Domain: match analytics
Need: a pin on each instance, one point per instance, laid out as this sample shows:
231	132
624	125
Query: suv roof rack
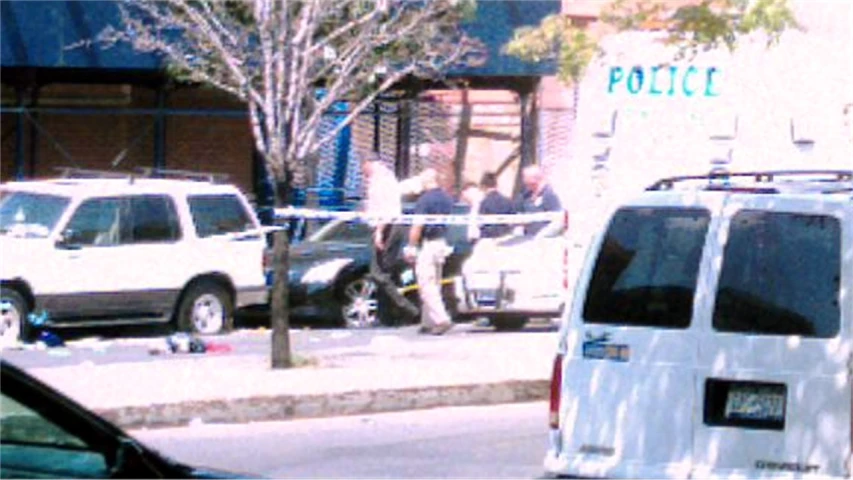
143	172
76	172
183	174
835	181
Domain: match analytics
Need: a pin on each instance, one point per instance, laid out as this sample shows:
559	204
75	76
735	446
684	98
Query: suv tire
206	309
14	315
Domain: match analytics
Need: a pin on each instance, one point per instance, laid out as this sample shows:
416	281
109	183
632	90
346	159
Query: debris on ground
50	339
186	343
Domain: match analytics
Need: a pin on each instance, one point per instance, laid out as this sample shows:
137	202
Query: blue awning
37	34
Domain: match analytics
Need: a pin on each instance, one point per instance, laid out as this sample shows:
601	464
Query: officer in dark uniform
538	196
494	203
428	249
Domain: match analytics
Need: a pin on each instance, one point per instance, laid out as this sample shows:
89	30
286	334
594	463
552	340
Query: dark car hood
312	252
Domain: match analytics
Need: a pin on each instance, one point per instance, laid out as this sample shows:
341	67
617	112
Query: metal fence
459	144
459	140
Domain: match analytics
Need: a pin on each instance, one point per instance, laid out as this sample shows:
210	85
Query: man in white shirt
384	199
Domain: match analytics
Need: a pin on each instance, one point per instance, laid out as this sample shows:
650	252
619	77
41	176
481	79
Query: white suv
711	334
105	251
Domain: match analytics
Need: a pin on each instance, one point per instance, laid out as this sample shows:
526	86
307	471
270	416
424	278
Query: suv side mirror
68	241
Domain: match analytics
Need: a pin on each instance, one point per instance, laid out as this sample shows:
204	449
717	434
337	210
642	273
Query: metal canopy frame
28	81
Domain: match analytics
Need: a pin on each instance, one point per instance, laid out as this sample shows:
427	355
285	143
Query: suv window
219	214
646	271
780	275
34	214
97	222
153	219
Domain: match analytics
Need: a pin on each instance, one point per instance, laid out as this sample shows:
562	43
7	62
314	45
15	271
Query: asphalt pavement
496	441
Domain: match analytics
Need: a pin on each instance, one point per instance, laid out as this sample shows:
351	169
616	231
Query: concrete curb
289	407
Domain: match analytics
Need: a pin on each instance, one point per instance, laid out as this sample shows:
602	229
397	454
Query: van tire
507	323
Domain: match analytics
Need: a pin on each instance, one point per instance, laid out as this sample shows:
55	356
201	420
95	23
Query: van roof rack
211	177
76	172
812	181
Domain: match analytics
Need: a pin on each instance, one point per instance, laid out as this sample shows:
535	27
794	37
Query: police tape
422	219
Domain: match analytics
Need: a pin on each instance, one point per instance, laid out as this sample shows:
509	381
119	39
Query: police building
643	115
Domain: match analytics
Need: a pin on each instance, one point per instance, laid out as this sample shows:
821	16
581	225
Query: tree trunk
279	301
463	134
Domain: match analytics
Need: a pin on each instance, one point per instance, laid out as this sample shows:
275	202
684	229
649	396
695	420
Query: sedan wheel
360	308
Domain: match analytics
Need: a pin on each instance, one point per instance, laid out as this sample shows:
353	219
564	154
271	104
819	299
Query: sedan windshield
343	231
28	214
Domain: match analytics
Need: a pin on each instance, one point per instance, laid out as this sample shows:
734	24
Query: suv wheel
206	309
14	325
359	305
509	322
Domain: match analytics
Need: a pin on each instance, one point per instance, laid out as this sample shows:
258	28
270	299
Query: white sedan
511	279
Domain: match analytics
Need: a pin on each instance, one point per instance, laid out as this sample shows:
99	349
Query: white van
711	334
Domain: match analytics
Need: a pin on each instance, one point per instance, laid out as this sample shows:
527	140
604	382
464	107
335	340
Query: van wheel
14	323
505	323
206	309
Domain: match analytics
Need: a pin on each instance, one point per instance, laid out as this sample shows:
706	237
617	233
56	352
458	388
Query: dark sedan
47	435
328	274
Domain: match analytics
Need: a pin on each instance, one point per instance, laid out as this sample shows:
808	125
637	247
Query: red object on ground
218	348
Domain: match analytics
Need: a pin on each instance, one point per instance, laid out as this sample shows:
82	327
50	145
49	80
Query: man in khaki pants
428	248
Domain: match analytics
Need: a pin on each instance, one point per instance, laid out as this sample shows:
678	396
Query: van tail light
556	390
566	250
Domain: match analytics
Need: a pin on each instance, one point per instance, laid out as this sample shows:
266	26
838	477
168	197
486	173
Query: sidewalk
394	372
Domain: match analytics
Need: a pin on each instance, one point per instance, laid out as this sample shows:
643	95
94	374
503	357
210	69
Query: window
219	214
780	275
97	222
32	446
153	219
30	214
344	231
646	271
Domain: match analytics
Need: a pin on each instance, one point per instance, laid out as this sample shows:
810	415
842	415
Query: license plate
750	402
488	297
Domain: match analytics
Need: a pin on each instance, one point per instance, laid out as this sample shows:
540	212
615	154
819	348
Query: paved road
105	346
505	441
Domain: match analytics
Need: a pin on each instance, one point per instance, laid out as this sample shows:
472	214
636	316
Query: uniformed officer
494	203
428	248
537	196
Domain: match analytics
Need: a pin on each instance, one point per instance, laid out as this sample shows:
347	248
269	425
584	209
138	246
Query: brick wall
208	143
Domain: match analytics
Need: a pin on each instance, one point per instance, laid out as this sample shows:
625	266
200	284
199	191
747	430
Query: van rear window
646	270
780	275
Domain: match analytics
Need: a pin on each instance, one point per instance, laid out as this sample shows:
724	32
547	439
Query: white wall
807	78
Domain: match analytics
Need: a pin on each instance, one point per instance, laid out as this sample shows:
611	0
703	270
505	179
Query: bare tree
291	61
